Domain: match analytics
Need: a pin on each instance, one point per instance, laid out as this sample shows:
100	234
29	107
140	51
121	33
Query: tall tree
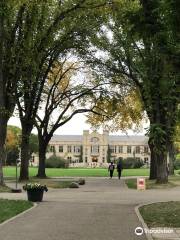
137	47
65	94
10	65
63	30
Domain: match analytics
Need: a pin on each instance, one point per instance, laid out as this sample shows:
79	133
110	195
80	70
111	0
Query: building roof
132	138
112	138
67	138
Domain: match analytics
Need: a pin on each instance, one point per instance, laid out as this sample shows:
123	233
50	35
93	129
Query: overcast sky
75	126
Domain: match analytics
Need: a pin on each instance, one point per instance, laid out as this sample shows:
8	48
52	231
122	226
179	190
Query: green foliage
34	143
157	137
177	164
13	142
129	163
56	162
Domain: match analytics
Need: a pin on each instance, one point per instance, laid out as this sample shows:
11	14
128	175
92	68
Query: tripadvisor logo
139	231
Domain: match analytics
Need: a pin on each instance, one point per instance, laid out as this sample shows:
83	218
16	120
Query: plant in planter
35	191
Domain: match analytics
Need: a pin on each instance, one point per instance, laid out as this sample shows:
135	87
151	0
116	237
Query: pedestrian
111	169
119	168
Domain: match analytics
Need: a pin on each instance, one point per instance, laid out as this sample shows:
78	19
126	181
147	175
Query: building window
137	149
146	149
103	159
95	149
113	149
77	149
69	149
86	159
52	148
128	149
69	159
146	160
94	140
61	148
120	149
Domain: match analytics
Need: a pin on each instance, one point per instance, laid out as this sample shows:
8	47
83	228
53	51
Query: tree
10	65
13	142
64	96
63	30
139	51
122	112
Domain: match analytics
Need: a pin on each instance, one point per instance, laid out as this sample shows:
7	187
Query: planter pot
35	195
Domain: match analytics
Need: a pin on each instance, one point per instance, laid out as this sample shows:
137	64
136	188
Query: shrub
74	185
81	181
177	163
132	163
56	162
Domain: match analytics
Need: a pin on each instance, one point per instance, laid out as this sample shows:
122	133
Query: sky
76	126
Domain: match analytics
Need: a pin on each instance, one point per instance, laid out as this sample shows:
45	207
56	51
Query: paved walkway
101	209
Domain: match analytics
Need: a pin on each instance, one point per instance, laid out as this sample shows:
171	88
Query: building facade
95	149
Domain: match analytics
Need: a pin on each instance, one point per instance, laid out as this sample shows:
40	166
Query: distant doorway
94	159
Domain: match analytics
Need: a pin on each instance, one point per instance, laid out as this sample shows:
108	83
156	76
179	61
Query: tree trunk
162	174
3	122
25	153
42	159
3	129
171	158
153	165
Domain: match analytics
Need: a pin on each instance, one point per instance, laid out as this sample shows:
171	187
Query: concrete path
101	209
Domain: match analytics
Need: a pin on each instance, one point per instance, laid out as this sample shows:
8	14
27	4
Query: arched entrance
94	159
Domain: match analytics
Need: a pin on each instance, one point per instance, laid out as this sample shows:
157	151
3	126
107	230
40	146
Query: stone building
95	149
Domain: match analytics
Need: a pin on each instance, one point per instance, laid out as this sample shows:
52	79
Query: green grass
151	184
78	172
10	208
165	214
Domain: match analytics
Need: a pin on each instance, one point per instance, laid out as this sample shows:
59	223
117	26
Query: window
86	159
52	148
103	159
61	148
120	149
77	149
94	140
128	149
95	149
137	149
69	149
113	149
146	160
146	149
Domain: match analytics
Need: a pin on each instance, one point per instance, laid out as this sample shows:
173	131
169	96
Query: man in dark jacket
119	168
111	169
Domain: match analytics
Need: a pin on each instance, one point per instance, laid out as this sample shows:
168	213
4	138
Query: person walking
119	168
111	169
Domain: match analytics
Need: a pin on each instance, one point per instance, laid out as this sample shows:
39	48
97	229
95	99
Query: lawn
78	172
150	184
10	208
164	214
